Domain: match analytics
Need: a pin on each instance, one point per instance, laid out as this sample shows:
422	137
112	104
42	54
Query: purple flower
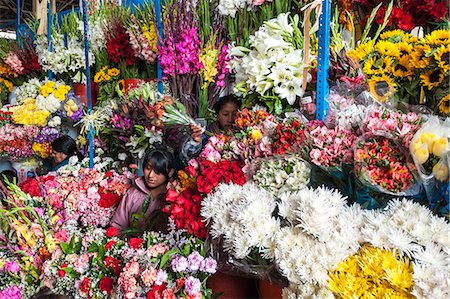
209	265
13	267
161	277
192	285
179	264
12	292
76	116
195	261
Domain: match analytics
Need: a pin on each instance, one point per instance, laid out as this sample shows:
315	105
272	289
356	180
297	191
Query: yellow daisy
381	87
438	37
442	57
379	66
395	36
403	68
361	52
444	105
432	78
387	48
420	56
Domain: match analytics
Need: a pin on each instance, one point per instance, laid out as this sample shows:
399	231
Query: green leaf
165	259
93	248
186	249
278	106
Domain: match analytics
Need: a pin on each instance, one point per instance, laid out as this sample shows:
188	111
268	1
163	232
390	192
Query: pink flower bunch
329	147
15	63
88	195
222	66
397	125
16	141
179	54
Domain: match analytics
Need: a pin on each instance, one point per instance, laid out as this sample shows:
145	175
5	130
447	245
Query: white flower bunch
306	291
242	215
283	174
63	58
230	7
413	231
273	65
323	232
97	39
29	89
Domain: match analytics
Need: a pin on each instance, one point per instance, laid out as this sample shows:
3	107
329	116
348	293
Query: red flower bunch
184	205
113	264
247	118
118	46
399	18
108	198
290	137
156	292
379	161
106	285
31	186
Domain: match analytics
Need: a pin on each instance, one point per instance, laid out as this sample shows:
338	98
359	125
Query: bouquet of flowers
108	79
87	195
5	89
399	65
290	136
277	82
165	266
88	263
397	125
195	182
283	174
16	141
382	164
429	149
42	143
29	234
241	223
38	100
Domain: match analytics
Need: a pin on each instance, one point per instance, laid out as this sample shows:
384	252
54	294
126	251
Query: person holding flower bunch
225	109
63	148
140	208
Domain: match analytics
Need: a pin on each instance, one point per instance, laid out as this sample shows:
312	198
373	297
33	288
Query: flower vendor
144	201
63	148
225	108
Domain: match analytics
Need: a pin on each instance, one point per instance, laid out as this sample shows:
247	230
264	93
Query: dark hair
225	100
9	175
66	145
161	160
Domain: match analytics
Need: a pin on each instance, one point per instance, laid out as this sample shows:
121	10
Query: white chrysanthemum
431	255
401	241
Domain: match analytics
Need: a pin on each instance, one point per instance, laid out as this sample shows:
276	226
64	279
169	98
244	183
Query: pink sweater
132	203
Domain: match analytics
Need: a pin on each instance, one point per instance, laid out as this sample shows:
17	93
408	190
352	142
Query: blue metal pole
323	61
160	30
88	81
18	20
49	32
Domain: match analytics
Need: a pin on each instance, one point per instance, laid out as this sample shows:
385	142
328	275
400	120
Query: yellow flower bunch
106	74
427	148
6	71
7	83
43	150
150	35
71	107
59	91
28	114
208	58
372	273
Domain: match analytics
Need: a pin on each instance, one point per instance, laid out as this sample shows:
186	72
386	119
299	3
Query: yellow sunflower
381	87
420	56
404	48
403	68
444	105
442	57
361	52
432	78
395	36
379	66
438	37
387	48
99	77
113	72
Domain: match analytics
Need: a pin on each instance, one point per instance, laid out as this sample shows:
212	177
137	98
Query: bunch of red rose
197	182
289	137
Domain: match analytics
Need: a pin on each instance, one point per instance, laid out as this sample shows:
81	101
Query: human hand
196	132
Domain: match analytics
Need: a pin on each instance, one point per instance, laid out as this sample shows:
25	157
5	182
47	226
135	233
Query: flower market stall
252	149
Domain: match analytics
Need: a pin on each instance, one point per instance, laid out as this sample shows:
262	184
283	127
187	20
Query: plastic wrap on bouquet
251	268
25	168
430	151
383	170
340	178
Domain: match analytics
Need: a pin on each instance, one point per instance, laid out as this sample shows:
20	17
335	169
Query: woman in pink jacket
142	204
